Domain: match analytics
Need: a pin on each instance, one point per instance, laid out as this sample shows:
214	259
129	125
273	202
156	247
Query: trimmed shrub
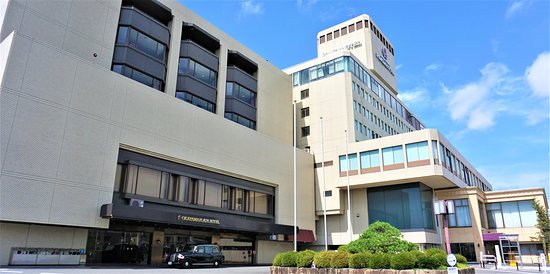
289	259
322	259
403	260
380	261
461	259
359	260
343	248
441	259
277	259
427	262
434	251
339	260
417	253
304	258
380	237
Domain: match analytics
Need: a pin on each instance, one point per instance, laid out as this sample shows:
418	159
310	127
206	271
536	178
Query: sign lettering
198	220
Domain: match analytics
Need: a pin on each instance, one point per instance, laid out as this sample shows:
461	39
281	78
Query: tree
543	224
380	237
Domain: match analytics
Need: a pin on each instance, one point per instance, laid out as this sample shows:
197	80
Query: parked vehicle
203	254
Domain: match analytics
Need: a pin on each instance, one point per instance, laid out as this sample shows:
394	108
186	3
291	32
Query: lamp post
350	228
324	183
295	227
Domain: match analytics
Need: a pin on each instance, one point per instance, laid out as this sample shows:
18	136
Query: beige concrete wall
30	235
268	249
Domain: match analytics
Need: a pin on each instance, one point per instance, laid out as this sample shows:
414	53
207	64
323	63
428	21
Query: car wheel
186	263
216	264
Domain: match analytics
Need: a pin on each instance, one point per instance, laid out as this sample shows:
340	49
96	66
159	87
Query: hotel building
365	139
139	125
150	129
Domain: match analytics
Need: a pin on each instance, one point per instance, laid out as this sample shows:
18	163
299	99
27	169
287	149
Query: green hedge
305	258
359	260
339	260
277	259
434	251
380	261
427	262
289	259
403	260
461	259
322	259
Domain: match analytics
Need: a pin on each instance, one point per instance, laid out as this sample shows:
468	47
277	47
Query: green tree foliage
277	259
543	224
434	251
304	258
380	237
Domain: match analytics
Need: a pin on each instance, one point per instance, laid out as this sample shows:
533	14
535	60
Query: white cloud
251	7
433	67
398	66
479	103
495	45
538	75
515	7
413	96
306	3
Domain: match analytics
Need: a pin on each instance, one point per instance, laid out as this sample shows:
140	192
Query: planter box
301	270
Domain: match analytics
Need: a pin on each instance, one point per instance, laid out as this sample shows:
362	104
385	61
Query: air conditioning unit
136	202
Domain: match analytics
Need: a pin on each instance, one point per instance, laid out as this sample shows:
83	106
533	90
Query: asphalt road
134	270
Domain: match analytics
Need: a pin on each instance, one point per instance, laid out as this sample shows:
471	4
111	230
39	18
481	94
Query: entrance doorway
108	246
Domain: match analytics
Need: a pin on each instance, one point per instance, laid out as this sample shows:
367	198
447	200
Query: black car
203	254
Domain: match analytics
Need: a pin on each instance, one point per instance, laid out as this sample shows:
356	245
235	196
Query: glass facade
139	76
417	151
162	185
370	159
407	206
461	217
511	214
190	67
352	160
142	42
240	120
197	101
392	155
235	90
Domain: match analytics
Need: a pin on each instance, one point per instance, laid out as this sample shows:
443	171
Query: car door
198	256
208	254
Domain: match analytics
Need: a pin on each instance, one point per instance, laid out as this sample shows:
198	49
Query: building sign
350	46
383	58
198	220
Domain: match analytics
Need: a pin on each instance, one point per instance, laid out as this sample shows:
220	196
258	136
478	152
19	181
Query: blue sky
476	70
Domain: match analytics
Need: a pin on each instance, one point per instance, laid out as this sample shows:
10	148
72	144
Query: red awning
304	236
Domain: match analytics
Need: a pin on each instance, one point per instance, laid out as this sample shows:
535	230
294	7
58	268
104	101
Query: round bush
441	259
417	253
359	260
339	260
322	259
288	259
380	261
277	259
403	260
427	262
461	259
434	251
304	258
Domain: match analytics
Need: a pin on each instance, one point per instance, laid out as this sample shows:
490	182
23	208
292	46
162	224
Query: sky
478	71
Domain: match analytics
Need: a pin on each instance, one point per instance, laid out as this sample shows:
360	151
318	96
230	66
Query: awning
304	236
489	237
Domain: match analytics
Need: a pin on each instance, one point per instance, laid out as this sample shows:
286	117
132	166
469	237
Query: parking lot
133	270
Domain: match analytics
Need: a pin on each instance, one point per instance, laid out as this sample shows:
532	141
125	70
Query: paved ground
223	269
134	270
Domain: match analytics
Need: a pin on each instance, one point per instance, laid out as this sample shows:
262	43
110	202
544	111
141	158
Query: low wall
301	270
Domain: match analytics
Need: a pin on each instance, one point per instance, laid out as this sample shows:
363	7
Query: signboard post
451	260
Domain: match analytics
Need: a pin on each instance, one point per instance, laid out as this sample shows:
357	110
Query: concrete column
156	247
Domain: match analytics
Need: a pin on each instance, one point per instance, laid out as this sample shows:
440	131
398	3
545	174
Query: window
243	94
148	182
188	66
370	159
461	217
321	39
417	151
405	206
305	131
434	152
305	112
197	101
344	30
304	94
511	214
142	42
336	34
240	120
465	249
212	194
352	159
139	76
392	155
328	193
